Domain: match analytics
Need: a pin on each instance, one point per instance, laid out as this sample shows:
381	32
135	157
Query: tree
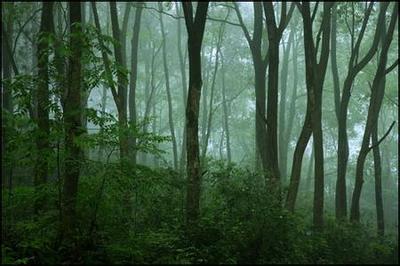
356	64
43	95
195	29
377	93
133	76
168	89
315	76
122	82
72	123
260	63
274	37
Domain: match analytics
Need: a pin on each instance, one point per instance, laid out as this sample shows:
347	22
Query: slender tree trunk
297	161
43	95
168	89
133	79
122	85
226	114
184	88
72	120
283	143
292	106
378	183
209	122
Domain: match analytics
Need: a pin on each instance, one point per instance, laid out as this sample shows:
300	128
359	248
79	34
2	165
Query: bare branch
383	137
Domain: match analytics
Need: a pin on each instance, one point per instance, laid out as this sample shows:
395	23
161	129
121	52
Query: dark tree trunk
72	121
43	95
7	101
122	85
315	75
260	64
353	70
195	28
373	112
378	183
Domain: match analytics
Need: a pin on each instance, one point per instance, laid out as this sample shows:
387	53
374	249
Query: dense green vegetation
188	133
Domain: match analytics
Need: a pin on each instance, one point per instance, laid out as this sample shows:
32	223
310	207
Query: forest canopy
199	132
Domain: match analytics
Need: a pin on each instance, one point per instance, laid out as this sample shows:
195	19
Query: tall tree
133	76
260	63
72	122
212	88
122	82
168	89
315	77
226	112
195	29
283	127
356	64
43	95
377	93
6	94
182	63
274	37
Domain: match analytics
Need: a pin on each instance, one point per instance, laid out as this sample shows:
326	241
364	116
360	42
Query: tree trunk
353	70
168	89
122	85
72	121
315	75
378	183
184	92
283	143
226	114
373	112
43	96
195	28
7	101
133	79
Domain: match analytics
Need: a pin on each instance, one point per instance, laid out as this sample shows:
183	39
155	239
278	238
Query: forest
199	132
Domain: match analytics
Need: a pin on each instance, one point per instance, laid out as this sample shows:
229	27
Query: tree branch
384	136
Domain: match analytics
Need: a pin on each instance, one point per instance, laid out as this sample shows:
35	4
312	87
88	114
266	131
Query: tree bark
72	123
195	28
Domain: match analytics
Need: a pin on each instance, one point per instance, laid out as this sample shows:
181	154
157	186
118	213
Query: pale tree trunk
133	79
182	63
226	114
283	143
168	89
